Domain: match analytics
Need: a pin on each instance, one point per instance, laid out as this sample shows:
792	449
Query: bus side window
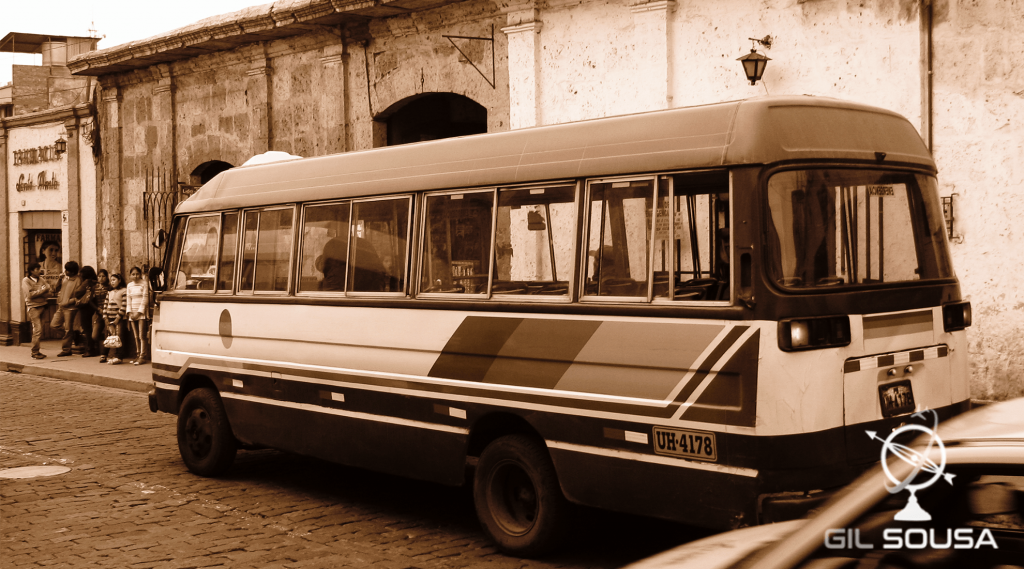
619	238
697	253
228	247
534	241
199	255
267	250
457	243
378	251
324	255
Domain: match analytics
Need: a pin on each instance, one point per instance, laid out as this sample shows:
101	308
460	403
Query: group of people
97	304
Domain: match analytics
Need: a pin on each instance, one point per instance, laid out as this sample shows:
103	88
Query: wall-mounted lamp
60	146
947	213
753	62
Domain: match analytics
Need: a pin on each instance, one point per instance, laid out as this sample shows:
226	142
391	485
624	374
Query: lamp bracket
766	41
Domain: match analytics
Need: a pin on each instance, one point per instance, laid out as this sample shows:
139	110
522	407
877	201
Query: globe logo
920	461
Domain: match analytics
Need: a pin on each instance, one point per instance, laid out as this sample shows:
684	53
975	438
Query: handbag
112	342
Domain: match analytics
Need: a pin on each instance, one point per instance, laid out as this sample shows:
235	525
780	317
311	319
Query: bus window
842	227
380	229
324	247
228	248
695	247
199	258
619	238
457	242
267	250
534	241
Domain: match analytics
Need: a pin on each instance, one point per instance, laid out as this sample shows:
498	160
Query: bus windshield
833	227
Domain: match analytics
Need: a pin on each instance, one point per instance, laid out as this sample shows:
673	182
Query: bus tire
517	496
205	440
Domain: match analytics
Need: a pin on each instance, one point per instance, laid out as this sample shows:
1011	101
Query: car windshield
834	227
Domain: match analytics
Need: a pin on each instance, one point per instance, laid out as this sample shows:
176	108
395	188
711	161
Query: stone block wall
312	94
30	90
212	112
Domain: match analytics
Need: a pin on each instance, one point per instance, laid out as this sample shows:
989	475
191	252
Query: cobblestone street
128	501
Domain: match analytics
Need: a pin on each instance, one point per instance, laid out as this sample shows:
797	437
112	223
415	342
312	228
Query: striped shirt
115	305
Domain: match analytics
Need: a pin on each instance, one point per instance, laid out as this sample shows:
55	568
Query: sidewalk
75	368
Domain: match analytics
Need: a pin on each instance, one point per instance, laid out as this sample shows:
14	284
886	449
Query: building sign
25	182
36	155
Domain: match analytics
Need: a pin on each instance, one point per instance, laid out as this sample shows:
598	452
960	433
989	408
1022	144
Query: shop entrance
42	243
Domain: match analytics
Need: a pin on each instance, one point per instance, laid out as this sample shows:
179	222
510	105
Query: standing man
72	293
36	291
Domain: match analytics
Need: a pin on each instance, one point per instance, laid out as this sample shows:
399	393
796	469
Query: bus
692	314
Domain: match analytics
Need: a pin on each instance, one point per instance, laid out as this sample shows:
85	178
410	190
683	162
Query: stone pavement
128	501
75	368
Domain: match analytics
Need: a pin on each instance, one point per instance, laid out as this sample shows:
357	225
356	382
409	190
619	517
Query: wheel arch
495	425
192	382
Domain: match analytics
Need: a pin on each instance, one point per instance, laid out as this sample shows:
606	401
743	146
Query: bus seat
557	288
509	287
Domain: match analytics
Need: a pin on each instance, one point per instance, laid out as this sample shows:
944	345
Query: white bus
692	314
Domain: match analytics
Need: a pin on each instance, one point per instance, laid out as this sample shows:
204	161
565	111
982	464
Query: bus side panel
404	450
706	498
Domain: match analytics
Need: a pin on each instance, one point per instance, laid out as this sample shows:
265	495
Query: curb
91	379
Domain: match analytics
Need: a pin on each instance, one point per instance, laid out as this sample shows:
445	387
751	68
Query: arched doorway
207	170
432	116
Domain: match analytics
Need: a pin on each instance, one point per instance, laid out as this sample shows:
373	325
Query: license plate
684	443
896	398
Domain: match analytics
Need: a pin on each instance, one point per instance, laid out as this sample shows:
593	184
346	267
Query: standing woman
87	311
138	308
99	303
113	313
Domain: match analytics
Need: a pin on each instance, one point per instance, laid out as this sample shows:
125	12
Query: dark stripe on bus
709	362
731	399
471	350
261	385
538	352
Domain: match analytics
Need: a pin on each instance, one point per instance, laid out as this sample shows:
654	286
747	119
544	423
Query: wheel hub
199	433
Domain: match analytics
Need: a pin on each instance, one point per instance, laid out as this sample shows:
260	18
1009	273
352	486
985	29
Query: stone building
322	76
48	200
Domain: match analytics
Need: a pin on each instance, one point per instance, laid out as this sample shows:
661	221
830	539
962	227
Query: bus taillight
956	316
813	333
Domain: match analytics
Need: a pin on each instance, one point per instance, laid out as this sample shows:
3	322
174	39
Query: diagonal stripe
538	352
710	361
471	351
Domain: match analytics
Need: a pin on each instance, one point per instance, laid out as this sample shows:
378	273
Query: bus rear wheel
205	440
517	496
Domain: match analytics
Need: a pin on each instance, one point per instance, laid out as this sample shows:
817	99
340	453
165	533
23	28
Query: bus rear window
843	227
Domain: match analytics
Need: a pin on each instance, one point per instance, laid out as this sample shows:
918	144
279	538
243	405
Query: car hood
720	551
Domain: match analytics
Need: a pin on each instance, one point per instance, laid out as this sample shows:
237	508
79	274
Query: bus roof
762	130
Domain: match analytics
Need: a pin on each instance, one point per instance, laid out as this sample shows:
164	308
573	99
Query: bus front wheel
517	496
205	440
